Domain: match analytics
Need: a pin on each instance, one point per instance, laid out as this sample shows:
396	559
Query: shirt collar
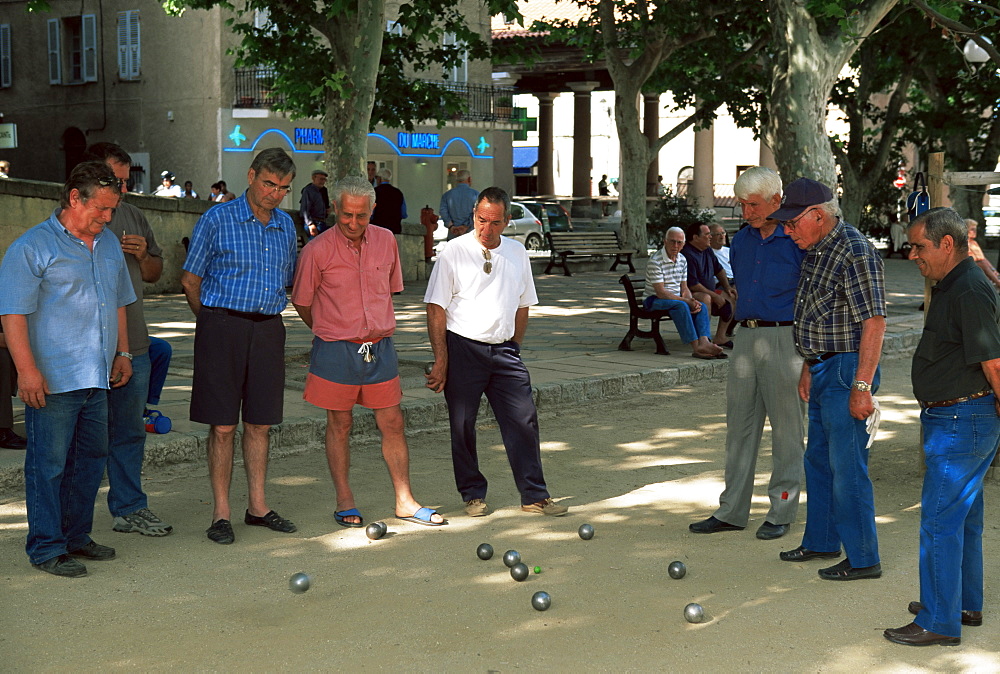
956	271
828	240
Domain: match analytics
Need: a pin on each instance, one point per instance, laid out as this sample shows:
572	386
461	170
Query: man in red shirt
343	291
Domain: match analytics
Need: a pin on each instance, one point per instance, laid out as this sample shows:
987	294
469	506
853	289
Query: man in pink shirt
343	291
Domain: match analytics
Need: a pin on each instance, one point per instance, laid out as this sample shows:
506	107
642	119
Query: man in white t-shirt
477	313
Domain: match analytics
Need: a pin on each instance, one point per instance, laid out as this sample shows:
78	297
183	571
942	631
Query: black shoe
801	554
95	551
969	618
272	521
844	571
712	526
11	440
221	532
768	531
62	565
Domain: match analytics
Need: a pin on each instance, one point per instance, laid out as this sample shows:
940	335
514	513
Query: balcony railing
481	103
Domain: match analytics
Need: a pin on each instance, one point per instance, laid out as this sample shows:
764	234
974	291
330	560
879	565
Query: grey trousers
764	373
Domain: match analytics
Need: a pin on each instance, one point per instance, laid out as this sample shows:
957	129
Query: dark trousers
8	385
475	368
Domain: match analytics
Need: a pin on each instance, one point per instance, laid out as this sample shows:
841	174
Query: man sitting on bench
704	273
666	290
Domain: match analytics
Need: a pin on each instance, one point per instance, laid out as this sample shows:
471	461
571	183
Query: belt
819	359
754	323
256	318
945	403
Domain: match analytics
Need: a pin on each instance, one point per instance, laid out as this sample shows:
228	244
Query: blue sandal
423	516
353	512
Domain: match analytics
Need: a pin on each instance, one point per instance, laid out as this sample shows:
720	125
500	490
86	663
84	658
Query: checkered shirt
660	269
842	284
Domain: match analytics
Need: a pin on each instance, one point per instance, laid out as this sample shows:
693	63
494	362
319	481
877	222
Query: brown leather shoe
969	618
915	635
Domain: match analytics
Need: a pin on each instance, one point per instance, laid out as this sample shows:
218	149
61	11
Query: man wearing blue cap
838	330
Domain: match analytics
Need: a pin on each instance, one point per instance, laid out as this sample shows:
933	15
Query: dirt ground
420	600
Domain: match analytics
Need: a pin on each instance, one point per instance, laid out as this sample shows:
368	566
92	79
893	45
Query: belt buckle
752	323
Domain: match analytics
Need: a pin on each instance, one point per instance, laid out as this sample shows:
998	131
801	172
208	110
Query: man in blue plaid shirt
838	330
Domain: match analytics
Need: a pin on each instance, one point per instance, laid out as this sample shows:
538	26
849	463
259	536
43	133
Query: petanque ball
484	551
677	570
384	527
374	531
694	613
541	601
511	557
428	367
298	583
519	572
586	532
538	569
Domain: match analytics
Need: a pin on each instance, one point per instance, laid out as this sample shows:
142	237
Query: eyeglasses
108	182
488	264
793	223
272	187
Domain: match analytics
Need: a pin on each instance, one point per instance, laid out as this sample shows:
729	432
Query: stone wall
25	203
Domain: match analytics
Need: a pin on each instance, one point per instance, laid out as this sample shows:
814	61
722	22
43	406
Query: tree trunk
635	158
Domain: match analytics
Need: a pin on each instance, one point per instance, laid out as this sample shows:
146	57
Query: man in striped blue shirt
241	259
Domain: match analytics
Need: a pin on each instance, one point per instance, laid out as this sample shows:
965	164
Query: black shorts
239	367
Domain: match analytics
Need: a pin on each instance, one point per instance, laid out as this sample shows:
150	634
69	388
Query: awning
525	159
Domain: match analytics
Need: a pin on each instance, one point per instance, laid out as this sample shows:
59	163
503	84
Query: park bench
633	291
563	245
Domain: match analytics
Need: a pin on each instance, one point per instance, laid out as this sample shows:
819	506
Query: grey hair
674	229
87	178
941	222
463	176
831	208
275	160
496	196
355	186
757	180
384	173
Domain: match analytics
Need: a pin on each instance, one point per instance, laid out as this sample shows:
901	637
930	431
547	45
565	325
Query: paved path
570	349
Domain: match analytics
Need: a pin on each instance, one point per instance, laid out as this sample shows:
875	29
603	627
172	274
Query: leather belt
754	323
819	359
256	318
945	403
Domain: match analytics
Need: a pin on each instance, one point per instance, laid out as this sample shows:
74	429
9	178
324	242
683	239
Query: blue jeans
689	326
127	441
63	467
841	506
160	352
959	444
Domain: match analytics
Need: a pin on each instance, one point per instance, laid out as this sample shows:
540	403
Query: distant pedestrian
188	191
314	204
457	204
390	204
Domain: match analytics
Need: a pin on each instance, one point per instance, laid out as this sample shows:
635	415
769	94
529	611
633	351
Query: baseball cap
800	195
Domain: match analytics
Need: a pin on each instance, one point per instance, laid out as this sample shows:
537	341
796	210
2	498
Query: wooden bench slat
633	291
563	245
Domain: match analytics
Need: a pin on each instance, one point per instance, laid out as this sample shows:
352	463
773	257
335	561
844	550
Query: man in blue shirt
241	259
457	205
67	276
764	373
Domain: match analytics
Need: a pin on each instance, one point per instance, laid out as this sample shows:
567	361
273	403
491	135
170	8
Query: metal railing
254	88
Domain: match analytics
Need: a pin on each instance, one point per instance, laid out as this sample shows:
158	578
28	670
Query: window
394	28
129	55
73	49
460	71
5	71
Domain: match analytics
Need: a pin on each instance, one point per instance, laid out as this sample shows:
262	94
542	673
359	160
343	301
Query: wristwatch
124	354
861	386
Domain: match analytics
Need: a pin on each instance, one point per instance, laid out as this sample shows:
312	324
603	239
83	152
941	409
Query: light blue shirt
457	205
70	297
244	264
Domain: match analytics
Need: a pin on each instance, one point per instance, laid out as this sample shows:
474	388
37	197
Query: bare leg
397	459
255	461
722	332
338	456
220	468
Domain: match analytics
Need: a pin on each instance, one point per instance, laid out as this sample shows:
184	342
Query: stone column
583	162
651	129
546	184
703	187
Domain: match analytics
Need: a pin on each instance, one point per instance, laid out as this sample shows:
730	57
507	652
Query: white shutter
55	53
5	71
123	51
458	73
135	50
88	51
128	45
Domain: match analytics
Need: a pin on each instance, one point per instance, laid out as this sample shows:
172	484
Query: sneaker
93	550
142	521
476	507
546	507
62	565
221	532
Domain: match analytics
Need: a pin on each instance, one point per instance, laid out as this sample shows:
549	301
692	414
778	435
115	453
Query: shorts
239	369
339	378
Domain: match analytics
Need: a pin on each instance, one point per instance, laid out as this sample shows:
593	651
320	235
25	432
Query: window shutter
134	45
123	51
88	53
128	45
55	53
5	70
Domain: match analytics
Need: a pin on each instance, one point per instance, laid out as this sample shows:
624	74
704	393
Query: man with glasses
127	501
477	314
64	287
839	325
241	259
764	371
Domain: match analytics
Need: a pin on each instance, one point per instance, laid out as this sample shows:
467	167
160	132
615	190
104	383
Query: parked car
554	217
525	227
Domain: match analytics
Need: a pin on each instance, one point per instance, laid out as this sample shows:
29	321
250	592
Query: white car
523	226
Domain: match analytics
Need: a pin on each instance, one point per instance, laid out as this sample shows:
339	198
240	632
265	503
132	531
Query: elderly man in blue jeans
67	276
666	290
